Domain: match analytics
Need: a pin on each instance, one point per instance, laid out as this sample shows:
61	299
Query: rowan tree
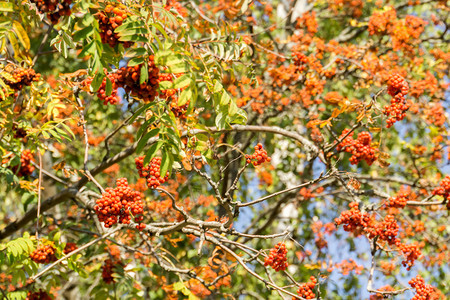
224	149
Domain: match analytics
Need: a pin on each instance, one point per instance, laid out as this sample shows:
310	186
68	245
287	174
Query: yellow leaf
360	116
336	112
375	129
325	123
8	76
21	35
313	266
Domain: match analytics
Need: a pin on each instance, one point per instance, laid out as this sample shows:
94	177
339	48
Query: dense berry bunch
70	247
43	254
300	61
259	157
113	98
108	270
398	201
382	22
353	219
410	252
40	295
129	79
397	88
444	190
151	172
54	9
386	230
108	21
119	205
22	77
305	290
277	258
360	148
423	291
25	168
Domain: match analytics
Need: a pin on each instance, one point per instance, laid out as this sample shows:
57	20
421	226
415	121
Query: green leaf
182	81
135	61
108	86
139	111
165	85
97	81
217	87
144	73
143	141
133	31
166	162
89	49
136	52
224	99
151	152
185	96
83	33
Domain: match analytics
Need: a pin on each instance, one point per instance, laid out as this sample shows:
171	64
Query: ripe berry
259	157
305	290
423	291
70	247
43	254
277	258
119	205
397	88
22	77
54	9
108	21
360	148
151	172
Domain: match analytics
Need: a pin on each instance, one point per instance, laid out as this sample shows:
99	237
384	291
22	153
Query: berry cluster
108	21
259	157
119	205
305	290
382	22
411	252
398	201
113	98
43	254
70	247
151	172
40	295
360	148
386	230
54	9
22	77
423	291
300	61
277	258
353	219
397	88
129	78
25	168
108	270
444	190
